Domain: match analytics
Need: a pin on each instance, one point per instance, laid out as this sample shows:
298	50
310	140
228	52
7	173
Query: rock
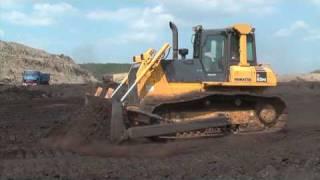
268	172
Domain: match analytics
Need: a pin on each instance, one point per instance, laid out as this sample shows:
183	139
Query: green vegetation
98	70
316	71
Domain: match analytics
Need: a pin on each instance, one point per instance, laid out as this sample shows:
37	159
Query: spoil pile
14	93
27	114
84	126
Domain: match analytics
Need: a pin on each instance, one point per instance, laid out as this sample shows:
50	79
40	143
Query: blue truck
31	77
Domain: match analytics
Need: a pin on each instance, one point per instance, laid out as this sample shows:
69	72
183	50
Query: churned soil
49	132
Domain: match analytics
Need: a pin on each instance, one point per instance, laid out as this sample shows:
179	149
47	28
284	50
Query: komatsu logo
242	79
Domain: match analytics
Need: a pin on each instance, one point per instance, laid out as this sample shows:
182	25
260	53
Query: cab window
213	53
235	50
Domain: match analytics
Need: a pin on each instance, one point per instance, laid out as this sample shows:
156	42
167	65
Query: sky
103	31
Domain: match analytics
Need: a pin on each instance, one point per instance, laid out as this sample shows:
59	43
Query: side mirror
183	53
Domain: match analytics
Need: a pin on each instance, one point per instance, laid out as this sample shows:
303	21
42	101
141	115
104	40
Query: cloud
305	31
11	4
316	2
134	17
293	28
142	24
42	14
230	7
194	11
117	15
16	17
53	9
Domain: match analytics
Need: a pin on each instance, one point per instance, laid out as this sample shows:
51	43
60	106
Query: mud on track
30	117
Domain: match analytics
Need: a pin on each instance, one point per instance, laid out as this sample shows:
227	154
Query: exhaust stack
175	45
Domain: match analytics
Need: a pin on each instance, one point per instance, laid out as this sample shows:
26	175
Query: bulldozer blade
117	122
166	129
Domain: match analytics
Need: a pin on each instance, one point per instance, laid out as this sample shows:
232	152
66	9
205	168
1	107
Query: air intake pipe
175	45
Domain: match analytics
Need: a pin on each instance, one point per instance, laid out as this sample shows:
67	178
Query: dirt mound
15	93
27	123
308	77
89	123
10	93
15	58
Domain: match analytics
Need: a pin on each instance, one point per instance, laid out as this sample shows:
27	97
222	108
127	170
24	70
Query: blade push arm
148	69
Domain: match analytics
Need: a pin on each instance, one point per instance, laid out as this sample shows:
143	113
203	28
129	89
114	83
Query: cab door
213	55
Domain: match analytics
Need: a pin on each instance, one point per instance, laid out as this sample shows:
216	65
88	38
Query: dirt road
28	116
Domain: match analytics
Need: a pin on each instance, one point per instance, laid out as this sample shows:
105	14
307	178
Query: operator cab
219	49
214	52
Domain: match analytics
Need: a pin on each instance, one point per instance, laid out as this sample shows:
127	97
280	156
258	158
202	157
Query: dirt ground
45	133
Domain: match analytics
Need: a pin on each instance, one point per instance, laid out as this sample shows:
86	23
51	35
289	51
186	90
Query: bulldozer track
245	118
210	132
220	132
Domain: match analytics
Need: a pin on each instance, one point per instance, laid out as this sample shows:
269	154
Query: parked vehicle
44	78
31	77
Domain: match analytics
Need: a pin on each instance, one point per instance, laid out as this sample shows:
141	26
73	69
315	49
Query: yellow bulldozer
220	90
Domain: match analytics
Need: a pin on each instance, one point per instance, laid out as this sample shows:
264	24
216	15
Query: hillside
98	70
15	58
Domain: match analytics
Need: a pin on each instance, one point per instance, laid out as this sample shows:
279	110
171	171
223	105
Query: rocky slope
15	58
